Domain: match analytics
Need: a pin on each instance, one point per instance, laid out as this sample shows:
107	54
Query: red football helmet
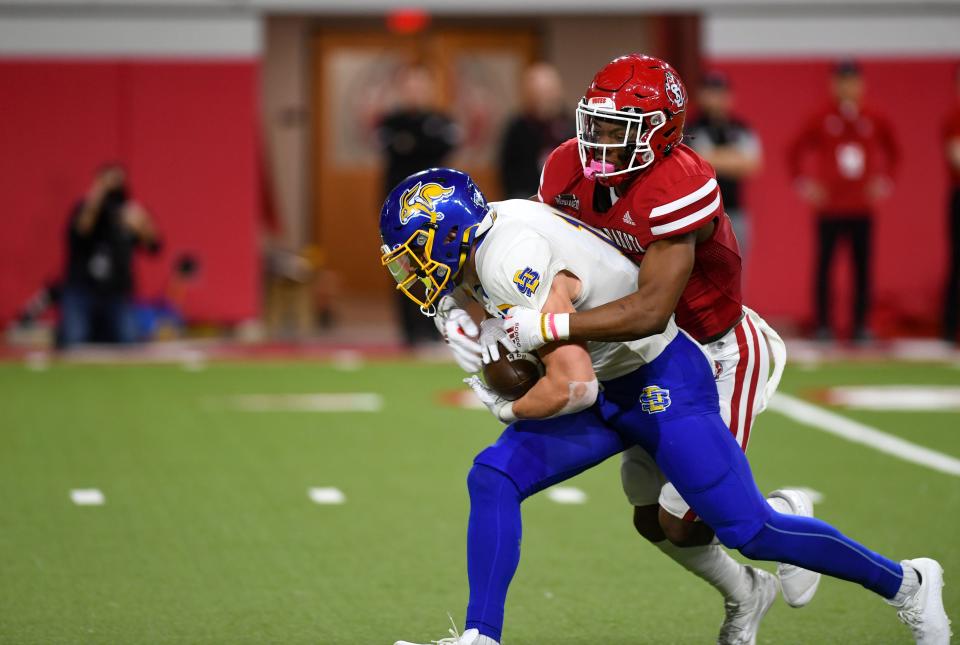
631	115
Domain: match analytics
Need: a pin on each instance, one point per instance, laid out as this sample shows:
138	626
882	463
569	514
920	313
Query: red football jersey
848	148
676	195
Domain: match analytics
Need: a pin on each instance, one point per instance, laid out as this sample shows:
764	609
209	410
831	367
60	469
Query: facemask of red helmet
632	115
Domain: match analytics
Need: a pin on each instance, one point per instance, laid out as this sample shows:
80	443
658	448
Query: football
513	374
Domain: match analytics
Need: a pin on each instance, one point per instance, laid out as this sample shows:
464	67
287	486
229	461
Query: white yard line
910	398
319	402
566	495
328	495
821	419
87	497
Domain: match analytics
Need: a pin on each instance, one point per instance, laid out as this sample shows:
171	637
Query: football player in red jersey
628	174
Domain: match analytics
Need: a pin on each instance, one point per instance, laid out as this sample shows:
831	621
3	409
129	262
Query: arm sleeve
522	274
683	206
559	172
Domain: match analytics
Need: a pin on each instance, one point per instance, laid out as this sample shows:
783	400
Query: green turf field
208	535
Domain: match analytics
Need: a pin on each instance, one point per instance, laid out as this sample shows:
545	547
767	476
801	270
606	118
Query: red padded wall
186	132
775	96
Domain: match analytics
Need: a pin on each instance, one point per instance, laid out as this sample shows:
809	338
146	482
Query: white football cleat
923	612
797	585
743	619
469	637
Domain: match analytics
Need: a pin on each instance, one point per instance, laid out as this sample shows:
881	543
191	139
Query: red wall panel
186	132
775	97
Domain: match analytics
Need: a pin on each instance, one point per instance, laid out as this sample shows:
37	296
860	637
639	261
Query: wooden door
478	74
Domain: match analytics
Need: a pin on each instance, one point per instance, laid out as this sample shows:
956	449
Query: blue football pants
685	434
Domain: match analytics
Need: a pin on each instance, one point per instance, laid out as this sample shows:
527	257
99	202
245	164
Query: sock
493	547
713	564
815	545
908	588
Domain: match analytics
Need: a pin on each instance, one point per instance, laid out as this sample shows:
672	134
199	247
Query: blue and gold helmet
427	225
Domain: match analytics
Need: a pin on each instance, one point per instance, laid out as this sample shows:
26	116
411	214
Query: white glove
523	331
499	406
459	333
492	335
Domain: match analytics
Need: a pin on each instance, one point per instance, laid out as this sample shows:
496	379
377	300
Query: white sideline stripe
566	495
329	402
816	417
897	397
686	200
689	219
326	495
88	497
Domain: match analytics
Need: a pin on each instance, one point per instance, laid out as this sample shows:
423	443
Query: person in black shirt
729	145
103	231
414	136
534	133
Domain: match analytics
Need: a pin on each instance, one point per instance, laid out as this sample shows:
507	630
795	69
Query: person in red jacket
842	162
951	143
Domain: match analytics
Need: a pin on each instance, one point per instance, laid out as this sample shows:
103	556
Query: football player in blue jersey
439	233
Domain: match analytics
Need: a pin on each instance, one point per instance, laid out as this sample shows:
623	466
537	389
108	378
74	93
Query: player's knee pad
486	483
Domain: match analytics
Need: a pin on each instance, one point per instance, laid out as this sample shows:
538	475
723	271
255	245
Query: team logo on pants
654	399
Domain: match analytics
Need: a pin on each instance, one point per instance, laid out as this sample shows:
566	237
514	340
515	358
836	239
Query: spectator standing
854	156
531	135
414	136
951	142
104	230
730	146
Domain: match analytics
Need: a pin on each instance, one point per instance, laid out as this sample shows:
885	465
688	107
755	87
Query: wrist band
555	327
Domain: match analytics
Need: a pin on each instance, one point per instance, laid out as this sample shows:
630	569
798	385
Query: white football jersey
529	243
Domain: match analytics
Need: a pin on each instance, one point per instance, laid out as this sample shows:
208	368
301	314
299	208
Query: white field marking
323	402
816	417
815	496
327	495
566	495
913	398
87	497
